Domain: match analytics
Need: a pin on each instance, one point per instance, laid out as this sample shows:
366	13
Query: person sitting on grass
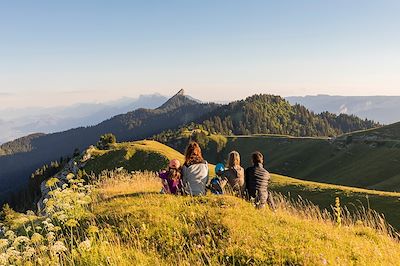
234	175
257	180
171	178
218	183
194	171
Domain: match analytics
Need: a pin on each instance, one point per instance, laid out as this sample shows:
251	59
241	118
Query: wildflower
36	238
56	228
62	217
49	226
43	248
93	230
70	176
29	252
85	245
337	212
10	235
52	182
11	252
58	247
3	259
38	228
29	212
21	240
50	236
71	223
3	243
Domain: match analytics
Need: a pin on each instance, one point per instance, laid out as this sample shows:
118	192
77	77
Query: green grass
223	230
134	156
358	164
354	199
366	159
128	222
153	156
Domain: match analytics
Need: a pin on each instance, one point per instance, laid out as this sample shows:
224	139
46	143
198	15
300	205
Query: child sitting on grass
171	178
218	183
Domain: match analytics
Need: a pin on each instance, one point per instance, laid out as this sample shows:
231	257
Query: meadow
153	156
127	221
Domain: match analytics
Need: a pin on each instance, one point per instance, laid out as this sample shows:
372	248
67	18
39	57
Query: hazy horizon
61	53
121	97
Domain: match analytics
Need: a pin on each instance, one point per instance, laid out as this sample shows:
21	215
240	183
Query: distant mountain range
19	122
382	109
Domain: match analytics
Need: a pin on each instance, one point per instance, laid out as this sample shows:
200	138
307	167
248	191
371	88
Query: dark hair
257	157
193	154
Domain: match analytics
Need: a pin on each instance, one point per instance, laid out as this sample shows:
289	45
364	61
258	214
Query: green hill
120	218
123	220
153	156
224	230
366	159
133	156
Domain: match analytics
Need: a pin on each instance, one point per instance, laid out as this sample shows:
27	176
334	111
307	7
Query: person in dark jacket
257	180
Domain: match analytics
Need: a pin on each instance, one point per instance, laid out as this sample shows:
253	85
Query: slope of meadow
124	220
120	218
223	230
153	156
365	159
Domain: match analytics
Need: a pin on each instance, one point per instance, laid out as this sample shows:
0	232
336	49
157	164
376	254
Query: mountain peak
181	92
178	100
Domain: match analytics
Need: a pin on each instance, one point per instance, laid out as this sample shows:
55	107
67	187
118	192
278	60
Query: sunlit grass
128	222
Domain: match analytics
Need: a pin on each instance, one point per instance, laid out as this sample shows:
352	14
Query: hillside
132	156
227	231
153	156
366	159
123	220
269	114
25	155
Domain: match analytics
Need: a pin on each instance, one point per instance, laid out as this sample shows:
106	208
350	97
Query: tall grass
359	215
129	223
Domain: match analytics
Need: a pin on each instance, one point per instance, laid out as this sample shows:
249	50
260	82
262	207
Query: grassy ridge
159	229
120	218
135	156
358	164
153	156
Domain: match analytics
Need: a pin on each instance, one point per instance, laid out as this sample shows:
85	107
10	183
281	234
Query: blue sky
60	52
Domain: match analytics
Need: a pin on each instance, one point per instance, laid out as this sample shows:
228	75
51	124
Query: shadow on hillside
132	195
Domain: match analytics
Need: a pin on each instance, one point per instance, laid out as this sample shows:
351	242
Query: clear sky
59	52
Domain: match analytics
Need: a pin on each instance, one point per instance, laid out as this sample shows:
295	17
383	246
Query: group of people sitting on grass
193	177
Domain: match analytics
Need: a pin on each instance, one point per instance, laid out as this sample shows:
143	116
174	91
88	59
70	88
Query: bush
105	141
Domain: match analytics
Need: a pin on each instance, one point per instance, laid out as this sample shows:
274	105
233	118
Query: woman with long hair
234	174
194	171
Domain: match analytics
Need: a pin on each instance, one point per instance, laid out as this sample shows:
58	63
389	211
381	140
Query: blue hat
219	167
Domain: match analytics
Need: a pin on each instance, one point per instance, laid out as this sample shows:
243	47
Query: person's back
234	174
257	180
235	177
194	171
195	178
